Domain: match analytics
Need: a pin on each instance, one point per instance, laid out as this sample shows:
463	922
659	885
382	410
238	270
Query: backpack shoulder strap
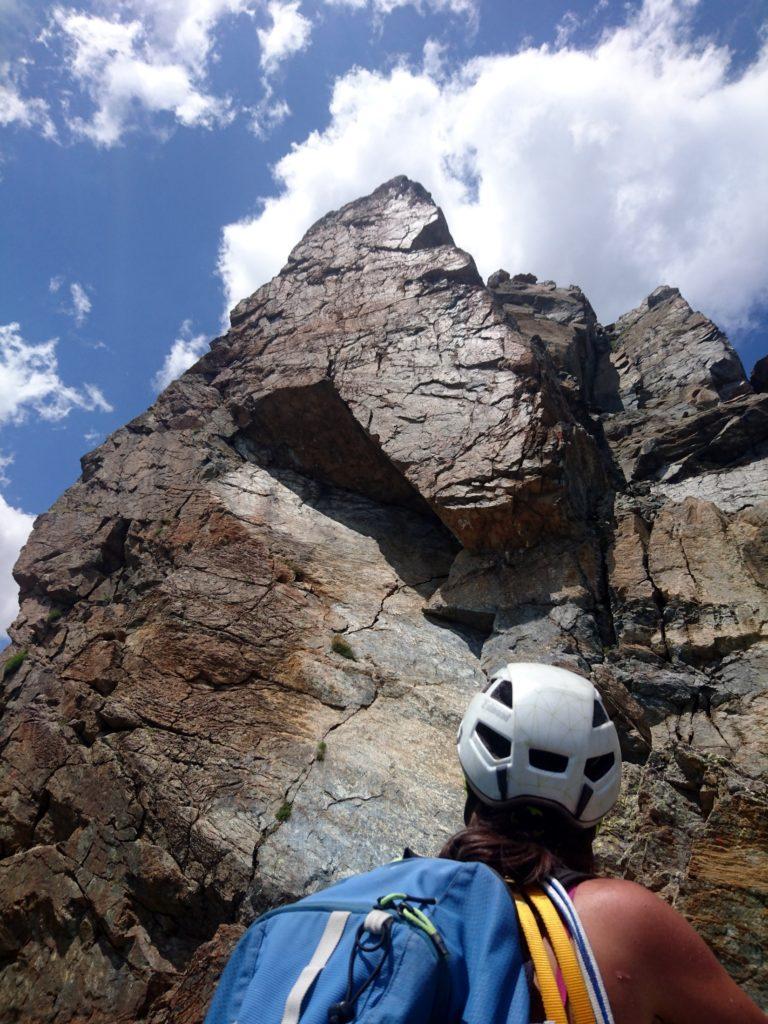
587	961
550	995
578	997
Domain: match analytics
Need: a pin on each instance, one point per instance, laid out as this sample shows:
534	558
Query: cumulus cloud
147	62
15	527
185	351
24	111
638	161
151	55
289	33
29	380
185	29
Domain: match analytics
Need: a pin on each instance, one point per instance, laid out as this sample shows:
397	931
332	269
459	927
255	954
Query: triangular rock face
686	405
670	355
254	623
378	322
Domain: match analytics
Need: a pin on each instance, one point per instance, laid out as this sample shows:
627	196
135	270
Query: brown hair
523	843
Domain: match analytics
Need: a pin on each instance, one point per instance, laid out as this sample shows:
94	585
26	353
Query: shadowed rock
759	376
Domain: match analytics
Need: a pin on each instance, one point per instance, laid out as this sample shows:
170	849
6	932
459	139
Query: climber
542	765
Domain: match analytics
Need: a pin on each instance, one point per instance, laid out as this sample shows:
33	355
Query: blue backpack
418	941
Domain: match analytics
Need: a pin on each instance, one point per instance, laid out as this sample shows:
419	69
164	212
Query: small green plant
54	614
321	749
340	646
13	663
283	813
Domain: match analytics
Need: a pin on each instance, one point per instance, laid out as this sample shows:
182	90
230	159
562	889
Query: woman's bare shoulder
655	929
615	888
616	905
636	934
610	894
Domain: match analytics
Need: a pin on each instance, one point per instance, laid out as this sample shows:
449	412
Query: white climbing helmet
540	735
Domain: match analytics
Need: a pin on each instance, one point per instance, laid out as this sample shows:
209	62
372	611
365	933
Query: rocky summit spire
379	331
248	631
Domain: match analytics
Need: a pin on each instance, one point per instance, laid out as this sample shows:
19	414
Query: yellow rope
578	998
550	995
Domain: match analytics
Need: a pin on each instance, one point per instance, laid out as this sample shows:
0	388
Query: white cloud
470	8
25	111
639	161
155	57
185	29
29	379
15	527
566	27
289	33
185	351
433	56
268	115
81	304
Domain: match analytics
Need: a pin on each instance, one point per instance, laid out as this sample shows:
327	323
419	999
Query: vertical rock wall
253	624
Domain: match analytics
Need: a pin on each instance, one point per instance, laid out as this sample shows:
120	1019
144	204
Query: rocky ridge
254	622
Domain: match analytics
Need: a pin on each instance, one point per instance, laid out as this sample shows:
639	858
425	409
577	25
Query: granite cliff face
254	622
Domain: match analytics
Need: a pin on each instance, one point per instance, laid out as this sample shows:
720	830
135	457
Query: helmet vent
498	746
597	767
548	761
599	716
503	693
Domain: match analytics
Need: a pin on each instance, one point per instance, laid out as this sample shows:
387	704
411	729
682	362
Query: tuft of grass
54	614
13	663
283	813
340	646
321	749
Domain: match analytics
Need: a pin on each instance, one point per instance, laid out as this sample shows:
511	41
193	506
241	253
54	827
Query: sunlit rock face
253	624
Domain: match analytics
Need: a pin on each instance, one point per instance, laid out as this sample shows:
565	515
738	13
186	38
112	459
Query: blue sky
159	158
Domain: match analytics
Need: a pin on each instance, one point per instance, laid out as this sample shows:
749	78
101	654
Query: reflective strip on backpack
586	957
329	940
